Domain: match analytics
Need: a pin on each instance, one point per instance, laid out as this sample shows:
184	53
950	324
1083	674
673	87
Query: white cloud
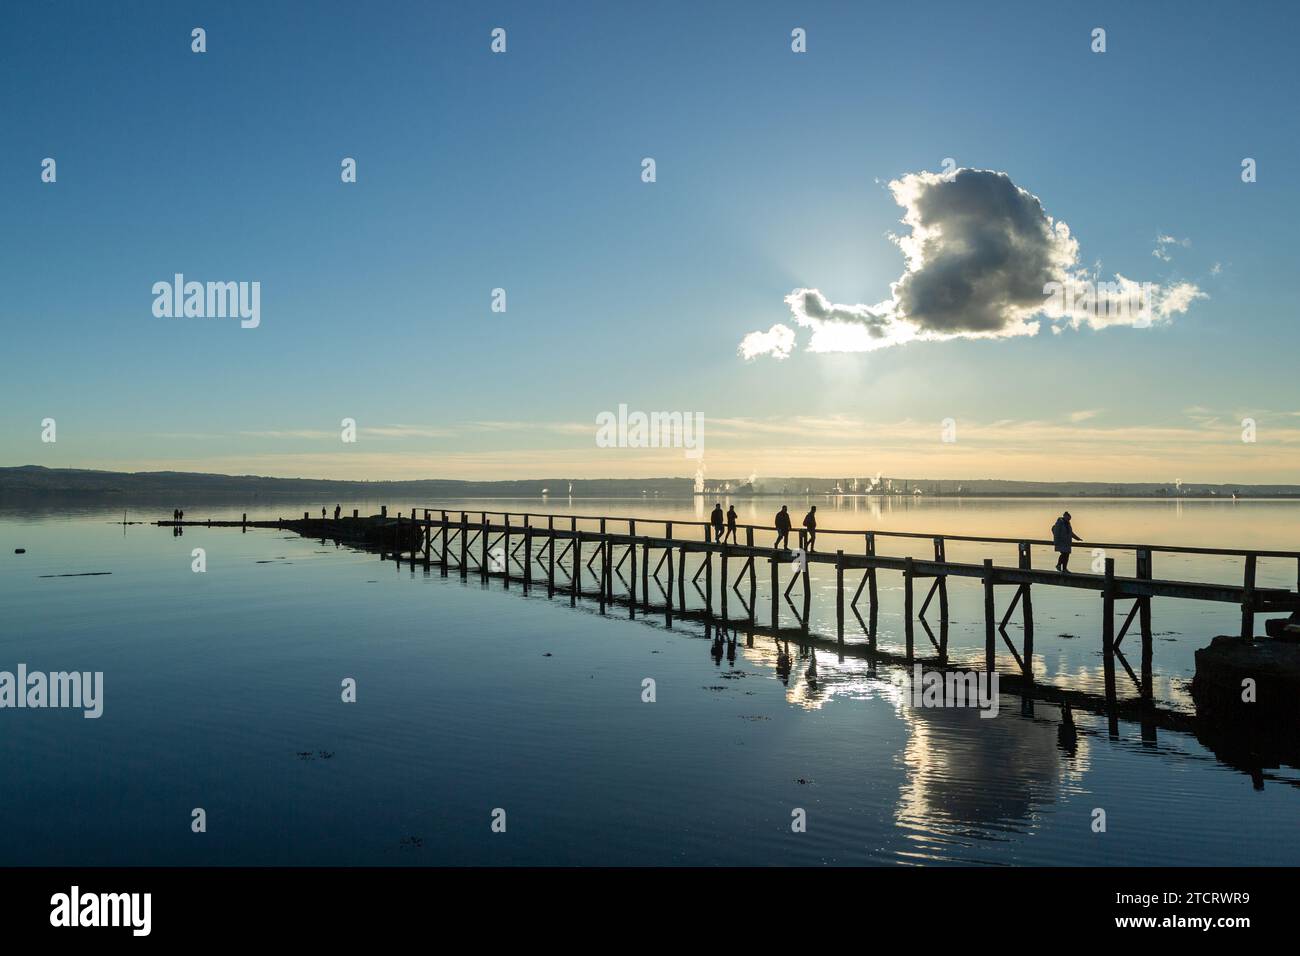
778	342
982	259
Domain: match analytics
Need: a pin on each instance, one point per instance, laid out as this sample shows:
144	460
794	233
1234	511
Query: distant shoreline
33	483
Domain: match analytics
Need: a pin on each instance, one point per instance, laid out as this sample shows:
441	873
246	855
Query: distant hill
34	481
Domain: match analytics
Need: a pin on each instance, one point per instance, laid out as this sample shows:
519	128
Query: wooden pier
525	547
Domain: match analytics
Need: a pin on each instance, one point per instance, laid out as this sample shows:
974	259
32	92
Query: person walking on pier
176	514
810	527
731	524
338	510
1063	538
716	518
782	529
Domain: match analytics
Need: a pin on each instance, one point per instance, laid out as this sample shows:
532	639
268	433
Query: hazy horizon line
738	479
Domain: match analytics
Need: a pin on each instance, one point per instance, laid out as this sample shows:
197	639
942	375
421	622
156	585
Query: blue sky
522	171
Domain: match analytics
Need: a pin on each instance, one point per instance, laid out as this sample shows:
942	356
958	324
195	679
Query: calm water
222	691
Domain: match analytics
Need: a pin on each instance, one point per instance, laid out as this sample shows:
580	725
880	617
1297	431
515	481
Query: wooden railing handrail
917	535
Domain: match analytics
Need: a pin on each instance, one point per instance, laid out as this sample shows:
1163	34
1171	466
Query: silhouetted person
322	514
782	529
810	526
731	524
716	518
176	514
180	515
1063	538
338	510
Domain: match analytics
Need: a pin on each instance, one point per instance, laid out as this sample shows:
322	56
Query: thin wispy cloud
1165	246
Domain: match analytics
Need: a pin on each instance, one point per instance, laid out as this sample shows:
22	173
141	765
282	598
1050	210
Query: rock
20	550
1249	693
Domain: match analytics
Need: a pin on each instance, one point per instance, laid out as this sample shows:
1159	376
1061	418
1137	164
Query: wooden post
464	544
1248	601
428	539
528	555
753	577
603	547
722	590
681	578
505	543
631	580
708	582
668	594
839	596
576	585
907	605
941	555
990	648
607	568
550	549
1108	630
807	593
873	607
1144	618
645	572
244	521
483	551
776	591
1027	612
444	544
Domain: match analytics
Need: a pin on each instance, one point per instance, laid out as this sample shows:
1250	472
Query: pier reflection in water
473	697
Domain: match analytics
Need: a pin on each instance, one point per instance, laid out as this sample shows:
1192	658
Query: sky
882	210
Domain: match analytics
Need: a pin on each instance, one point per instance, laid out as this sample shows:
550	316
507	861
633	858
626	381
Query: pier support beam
907	606
464	544
445	529
1248	601
681	578
776	592
1027	613
550	557
645	574
839	596
722	591
753	577
990	648
1108	630
505	543
575	586
668	594
528	556
709	583
1144	569
941	555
